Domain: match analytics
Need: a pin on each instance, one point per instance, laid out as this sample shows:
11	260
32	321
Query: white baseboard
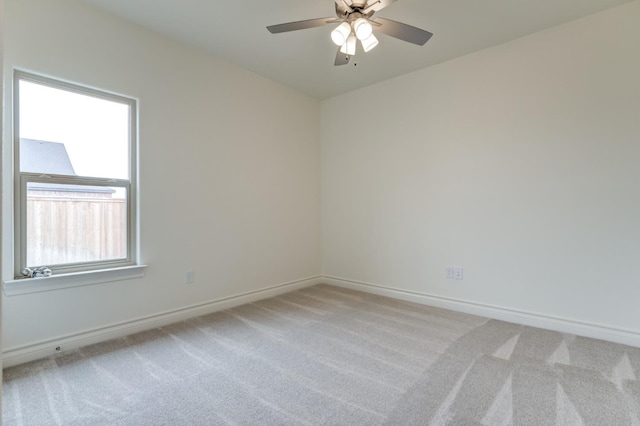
20	355
596	331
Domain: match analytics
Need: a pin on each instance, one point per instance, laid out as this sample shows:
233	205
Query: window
75	169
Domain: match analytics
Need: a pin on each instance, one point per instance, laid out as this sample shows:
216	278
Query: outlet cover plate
458	273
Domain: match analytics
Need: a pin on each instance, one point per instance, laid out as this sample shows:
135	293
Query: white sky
94	131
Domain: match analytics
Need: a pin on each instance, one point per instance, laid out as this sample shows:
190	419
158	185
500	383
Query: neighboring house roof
52	158
45	157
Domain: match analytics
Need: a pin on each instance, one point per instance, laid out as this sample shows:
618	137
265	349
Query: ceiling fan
356	22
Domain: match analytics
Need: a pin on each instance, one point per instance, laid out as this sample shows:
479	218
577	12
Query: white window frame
21	179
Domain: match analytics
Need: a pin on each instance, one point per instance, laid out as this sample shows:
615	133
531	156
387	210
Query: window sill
76	279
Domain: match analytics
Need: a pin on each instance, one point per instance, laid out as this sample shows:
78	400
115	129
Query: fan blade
299	25
341	58
403	31
376	5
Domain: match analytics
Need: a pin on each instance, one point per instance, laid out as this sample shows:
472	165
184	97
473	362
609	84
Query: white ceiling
303	60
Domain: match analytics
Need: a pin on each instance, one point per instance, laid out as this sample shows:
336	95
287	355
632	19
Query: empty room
325	212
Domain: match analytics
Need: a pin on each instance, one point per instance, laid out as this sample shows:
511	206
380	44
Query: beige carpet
326	355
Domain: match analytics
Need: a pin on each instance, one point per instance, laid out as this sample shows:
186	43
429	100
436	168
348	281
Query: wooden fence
69	227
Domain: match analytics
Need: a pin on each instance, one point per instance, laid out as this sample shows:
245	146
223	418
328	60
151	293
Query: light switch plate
448	272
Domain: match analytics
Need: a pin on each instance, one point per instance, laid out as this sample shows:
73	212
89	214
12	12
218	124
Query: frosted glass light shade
369	43
341	33
362	28
349	46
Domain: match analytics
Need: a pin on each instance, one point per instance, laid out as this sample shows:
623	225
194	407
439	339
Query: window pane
75	223
63	132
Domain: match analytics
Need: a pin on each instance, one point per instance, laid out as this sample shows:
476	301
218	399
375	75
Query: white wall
229	170
520	163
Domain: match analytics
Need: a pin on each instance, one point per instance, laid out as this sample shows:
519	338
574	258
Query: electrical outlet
457	273
449	272
189	277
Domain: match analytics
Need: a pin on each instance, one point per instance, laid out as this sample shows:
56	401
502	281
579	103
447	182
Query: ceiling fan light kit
369	43
357	23
362	28
349	46
346	33
341	34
